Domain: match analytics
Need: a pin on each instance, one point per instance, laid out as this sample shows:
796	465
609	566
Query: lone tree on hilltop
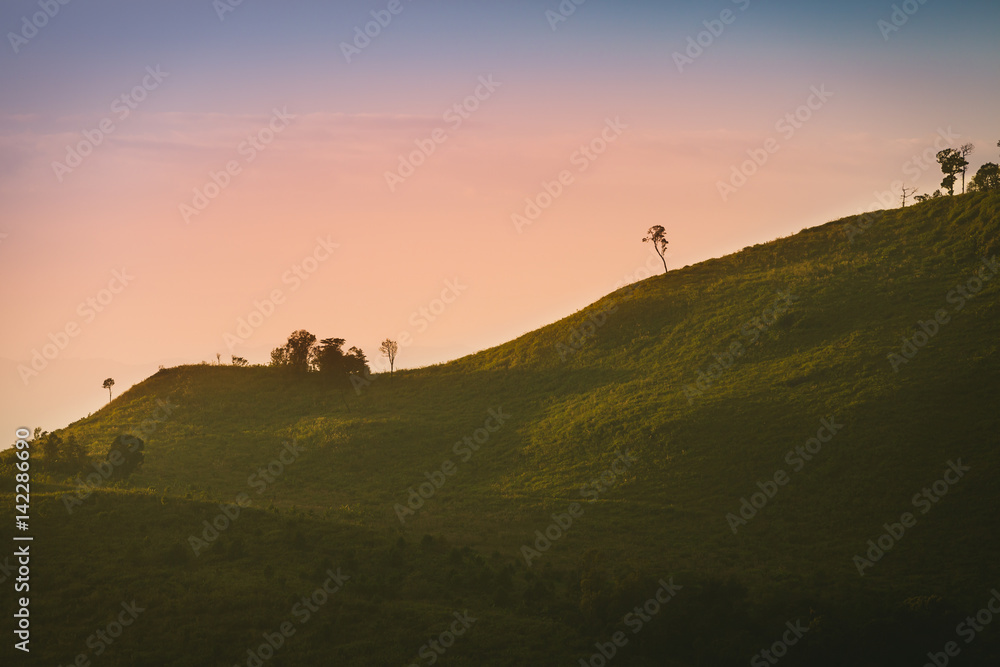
657	235
108	384
388	350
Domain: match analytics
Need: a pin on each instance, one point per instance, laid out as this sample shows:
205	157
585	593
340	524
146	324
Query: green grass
624	389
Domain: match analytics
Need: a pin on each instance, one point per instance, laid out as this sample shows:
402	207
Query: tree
51	447
338	367
279	357
952	163
298	349
987	179
108	384
388	350
239	361
357	362
906	192
327	357
965	150
657	235
934	195
74	451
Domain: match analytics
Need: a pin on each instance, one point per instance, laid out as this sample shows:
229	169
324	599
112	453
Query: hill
744	426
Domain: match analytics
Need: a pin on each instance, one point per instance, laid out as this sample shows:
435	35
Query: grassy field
656	411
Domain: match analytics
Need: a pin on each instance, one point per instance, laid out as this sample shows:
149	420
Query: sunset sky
115	116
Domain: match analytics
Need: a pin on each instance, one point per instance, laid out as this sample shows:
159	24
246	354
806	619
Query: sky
185	179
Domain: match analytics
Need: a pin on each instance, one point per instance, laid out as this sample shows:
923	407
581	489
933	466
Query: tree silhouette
279	356
297	350
51	447
987	179
933	195
389	349
239	361
965	150
657	235
108	384
74	451
906	192
952	163
331	362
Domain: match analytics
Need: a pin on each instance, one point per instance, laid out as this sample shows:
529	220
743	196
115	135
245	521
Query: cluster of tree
57	451
953	162
302	353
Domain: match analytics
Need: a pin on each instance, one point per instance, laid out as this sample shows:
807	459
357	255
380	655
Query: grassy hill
712	379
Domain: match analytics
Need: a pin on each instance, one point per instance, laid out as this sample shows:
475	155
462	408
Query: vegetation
658	237
708	424
389	348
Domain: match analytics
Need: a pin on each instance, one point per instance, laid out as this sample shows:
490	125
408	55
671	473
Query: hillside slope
696	395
